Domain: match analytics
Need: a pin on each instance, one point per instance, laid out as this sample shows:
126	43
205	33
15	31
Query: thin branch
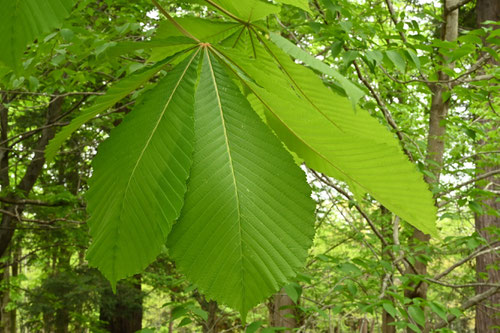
368	220
467	285
483	176
394	19
476	154
32	202
457	5
383	107
473	255
469	303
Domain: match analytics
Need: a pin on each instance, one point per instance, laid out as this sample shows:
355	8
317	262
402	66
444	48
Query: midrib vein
158	123
226	140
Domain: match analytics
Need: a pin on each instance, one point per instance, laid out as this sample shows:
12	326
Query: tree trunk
5	323
282	311
122	312
387	232
435	143
33	171
487	312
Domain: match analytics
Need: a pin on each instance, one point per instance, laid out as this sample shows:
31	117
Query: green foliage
140	172
23	21
350	146
241	214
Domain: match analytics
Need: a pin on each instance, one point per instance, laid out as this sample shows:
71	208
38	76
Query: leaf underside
247	220
140	174
330	137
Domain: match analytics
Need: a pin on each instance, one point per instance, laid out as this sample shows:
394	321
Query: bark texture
435	142
282	311
488	311
122	312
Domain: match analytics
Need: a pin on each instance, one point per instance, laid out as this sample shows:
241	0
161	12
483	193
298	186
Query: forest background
428	71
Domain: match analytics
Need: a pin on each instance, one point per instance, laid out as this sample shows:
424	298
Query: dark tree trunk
435	144
212	323
122	312
33	171
387	232
488	312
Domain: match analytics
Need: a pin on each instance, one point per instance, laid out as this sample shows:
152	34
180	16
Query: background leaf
23	21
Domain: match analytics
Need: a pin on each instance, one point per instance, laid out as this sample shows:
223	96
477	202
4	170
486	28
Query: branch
394	19
470	303
485	175
383	107
22	202
473	255
457	5
368	220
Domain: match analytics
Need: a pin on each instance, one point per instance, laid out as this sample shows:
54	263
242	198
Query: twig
383	107
485	175
85	93
470	303
473	255
32	202
457	5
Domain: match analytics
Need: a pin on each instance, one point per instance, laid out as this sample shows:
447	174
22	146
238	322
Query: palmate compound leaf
23	21
115	93
330	137
247	220
209	31
140	173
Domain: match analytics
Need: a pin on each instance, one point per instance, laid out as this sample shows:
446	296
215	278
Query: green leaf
247	220
248	10
302	4
417	314
322	129
208	31
173	44
397	60
390	309
114	94
23	21
438	309
253	327
413	57
293	290
352	91
139	179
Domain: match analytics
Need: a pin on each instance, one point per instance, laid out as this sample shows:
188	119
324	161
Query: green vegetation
253	166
